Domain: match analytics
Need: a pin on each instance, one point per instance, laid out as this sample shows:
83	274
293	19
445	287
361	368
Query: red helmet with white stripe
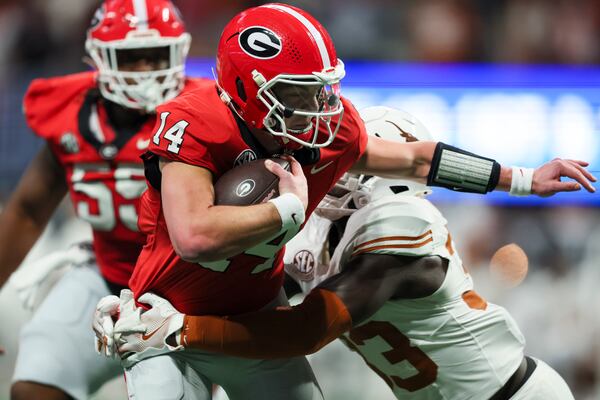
126	31
274	49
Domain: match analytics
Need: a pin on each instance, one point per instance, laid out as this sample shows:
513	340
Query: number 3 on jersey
400	350
174	134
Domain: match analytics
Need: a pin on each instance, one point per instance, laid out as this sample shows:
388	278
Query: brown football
247	184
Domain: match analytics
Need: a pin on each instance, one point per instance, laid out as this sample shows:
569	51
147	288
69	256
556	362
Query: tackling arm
340	302
29	209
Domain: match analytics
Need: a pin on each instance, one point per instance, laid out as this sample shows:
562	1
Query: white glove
144	334
109	308
28	279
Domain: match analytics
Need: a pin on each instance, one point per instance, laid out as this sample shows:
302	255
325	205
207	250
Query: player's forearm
396	160
505	179
201	231
224	231
414	161
280	333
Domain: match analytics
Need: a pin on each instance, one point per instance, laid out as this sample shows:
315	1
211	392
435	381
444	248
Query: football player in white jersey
395	289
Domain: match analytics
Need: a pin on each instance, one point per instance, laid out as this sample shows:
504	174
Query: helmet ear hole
240	89
399	189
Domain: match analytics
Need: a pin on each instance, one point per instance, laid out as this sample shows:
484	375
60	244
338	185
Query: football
248	184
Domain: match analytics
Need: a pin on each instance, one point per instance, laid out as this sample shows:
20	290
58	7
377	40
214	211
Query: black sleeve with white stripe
460	170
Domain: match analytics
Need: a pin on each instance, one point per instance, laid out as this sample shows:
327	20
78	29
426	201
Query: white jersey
449	345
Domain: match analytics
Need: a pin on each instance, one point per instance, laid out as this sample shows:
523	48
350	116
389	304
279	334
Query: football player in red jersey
378	267
278	93
95	124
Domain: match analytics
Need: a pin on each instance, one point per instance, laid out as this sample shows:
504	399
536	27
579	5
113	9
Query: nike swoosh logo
294	218
142	144
148	336
316	170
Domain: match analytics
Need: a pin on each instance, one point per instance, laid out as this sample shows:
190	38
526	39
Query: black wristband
462	171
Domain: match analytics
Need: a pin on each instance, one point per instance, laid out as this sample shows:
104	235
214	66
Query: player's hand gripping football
147	333
293	181
109	308
547	178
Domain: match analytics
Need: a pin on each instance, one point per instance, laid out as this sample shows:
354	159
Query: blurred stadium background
518	80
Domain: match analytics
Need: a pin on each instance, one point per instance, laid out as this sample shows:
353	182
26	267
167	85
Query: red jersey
102	164
199	129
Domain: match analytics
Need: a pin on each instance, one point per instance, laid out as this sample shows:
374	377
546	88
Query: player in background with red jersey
95	124
278	93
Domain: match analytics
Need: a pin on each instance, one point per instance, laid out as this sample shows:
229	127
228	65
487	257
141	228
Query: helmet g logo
260	42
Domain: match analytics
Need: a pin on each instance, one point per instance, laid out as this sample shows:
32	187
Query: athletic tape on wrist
290	209
460	170
522	181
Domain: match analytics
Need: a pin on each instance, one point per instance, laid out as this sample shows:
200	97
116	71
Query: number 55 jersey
449	345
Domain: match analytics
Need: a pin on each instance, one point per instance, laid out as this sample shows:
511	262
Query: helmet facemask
353	192
313	97
143	90
350	193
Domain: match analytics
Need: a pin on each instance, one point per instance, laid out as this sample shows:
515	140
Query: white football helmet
397	125
354	191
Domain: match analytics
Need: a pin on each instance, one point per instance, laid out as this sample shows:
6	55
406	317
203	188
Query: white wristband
290	209
522	180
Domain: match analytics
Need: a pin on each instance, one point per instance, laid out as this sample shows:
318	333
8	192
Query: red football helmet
122	26
280	44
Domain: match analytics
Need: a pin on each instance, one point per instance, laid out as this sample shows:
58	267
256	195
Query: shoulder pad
208	118
396	225
46	100
197	83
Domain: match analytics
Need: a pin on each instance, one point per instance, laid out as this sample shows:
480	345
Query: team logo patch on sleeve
260	42
108	151
69	143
